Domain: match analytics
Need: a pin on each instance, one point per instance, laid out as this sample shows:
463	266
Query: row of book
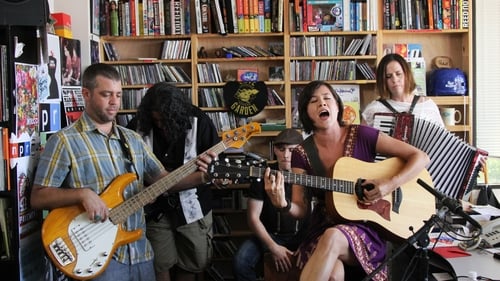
221	225
131	98
144	74
224	248
140	74
4	159
224	120
366	70
426	14
273	98
333	15
213	274
110	51
209	73
4	92
148	74
144	17
317	46
239	16
176	49
332	46
361	46
6	223
248	51
175	73
331	70
211	97
171	50
164	17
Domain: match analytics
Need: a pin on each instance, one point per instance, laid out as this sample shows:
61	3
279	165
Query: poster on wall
73	104
94	16
54	68
71	62
94	52
26	97
350	95
49	120
24	153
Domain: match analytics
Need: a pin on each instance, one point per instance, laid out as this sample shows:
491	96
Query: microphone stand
421	238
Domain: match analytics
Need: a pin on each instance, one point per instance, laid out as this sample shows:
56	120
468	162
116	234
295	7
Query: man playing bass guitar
77	167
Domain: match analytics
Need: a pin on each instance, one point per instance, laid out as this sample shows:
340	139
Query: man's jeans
137	272
250	254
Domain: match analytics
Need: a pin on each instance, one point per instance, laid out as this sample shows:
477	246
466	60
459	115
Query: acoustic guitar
82	249
409	206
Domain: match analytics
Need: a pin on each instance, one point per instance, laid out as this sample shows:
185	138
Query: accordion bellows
454	163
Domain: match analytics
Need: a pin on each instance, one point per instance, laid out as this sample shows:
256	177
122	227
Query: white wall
487	66
80	23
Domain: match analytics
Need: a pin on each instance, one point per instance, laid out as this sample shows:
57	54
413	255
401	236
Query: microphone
453	205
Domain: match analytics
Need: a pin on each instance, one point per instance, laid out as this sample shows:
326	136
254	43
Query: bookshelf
140	51
207	49
230	227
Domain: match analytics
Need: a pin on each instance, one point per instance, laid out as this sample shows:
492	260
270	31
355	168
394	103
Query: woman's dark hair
410	84
304	99
172	104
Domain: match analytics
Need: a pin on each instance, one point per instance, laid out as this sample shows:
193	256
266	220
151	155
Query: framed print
94	16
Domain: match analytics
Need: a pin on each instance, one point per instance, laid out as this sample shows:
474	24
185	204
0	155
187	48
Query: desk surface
479	261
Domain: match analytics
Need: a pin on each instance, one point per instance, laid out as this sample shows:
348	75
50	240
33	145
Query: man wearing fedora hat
274	231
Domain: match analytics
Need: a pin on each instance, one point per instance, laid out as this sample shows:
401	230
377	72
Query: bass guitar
82	249
409	206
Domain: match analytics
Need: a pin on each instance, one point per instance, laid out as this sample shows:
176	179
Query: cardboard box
62	26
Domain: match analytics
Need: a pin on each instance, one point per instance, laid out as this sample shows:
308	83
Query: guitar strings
83	234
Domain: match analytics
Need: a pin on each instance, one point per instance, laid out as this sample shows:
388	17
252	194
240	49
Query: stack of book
165	17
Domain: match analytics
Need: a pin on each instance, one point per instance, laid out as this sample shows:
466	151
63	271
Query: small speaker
23	12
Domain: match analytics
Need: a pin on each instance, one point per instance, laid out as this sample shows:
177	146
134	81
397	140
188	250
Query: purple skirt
365	243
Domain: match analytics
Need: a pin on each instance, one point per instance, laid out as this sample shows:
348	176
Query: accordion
454	163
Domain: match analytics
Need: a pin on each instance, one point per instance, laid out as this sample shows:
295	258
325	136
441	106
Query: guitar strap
313	156
312	151
126	150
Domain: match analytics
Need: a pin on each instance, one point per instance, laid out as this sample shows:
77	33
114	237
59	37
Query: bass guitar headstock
236	170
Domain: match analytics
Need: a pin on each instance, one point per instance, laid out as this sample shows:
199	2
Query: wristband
287	207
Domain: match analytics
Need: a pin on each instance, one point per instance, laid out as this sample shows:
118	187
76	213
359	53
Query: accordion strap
412	106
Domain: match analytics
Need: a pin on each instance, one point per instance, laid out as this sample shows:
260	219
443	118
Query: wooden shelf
456	44
426	32
451	100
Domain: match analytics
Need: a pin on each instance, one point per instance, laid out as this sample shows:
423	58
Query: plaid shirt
80	156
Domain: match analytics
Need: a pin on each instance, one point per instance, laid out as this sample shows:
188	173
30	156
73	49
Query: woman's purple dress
366	244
